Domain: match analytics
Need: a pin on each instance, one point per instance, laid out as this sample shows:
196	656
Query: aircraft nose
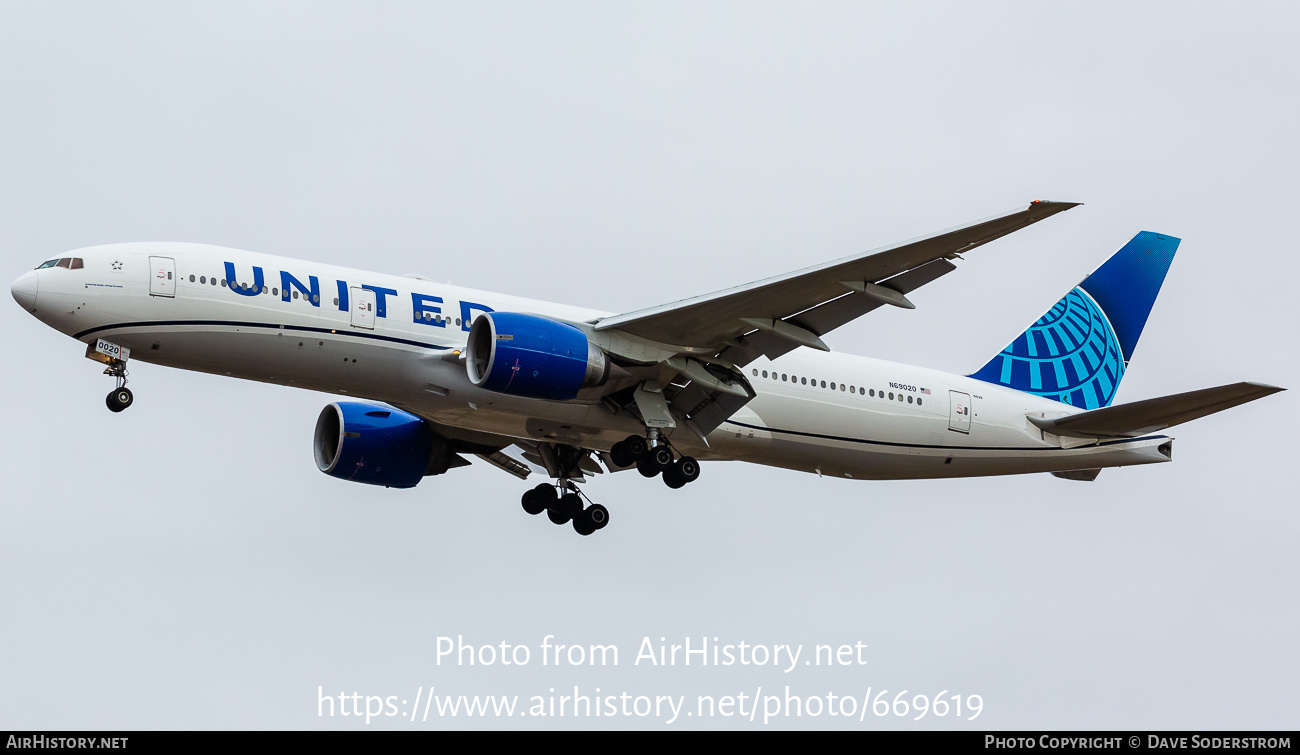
24	290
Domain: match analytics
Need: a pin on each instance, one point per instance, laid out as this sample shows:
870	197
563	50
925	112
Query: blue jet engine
379	445
531	356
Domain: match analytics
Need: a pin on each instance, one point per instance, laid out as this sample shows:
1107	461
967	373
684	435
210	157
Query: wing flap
507	464
826	317
1155	414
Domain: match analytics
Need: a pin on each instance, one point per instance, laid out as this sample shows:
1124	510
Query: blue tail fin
1077	352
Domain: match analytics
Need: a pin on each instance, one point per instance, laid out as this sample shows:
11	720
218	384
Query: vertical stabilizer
1078	350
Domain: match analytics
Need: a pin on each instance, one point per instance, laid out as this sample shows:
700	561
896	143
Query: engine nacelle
377	445
527	355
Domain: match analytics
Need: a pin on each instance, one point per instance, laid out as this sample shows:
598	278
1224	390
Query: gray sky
184	564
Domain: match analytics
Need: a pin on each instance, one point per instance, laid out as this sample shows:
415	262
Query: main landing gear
120	397
656	459
564	503
567	507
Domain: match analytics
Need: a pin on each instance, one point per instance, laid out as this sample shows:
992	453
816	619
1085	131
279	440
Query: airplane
443	372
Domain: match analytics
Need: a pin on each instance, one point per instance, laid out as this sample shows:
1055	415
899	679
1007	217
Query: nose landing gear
120	397
114	356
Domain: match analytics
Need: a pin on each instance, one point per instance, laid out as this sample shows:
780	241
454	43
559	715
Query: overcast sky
184	564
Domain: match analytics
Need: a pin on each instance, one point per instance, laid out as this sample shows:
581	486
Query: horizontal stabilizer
1154	414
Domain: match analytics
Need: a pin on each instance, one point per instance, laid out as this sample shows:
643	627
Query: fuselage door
363	308
959	411
162	276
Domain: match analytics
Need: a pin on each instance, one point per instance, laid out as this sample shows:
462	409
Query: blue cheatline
1078	350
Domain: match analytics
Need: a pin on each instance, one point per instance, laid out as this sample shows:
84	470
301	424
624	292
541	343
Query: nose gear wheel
120	397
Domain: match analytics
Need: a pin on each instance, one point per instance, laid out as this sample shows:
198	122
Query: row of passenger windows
870	392
203	279
315	298
439	318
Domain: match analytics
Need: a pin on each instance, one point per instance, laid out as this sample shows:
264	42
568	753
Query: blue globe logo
1070	355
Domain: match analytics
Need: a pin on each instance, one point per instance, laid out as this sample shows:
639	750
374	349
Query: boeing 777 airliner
739	374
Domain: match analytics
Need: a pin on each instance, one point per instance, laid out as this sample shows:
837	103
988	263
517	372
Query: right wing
794	309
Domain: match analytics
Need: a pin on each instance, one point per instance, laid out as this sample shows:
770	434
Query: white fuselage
864	428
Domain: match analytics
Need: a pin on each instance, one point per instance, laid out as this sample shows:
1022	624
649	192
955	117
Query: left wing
795	309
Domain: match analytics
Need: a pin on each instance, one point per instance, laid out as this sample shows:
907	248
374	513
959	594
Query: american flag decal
926	391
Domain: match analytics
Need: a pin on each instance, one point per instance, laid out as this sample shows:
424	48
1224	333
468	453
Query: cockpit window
70	263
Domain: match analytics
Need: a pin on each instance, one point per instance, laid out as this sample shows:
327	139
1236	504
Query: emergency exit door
162	276
959	411
363	308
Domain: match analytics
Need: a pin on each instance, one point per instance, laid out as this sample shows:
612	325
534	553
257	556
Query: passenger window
203	279
295	294
457	321
191	279
823	383
755	373
891	396
805	381
336	301
918	400
764	373
223	282
853	389
873	392
909	399
783	376
315	298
